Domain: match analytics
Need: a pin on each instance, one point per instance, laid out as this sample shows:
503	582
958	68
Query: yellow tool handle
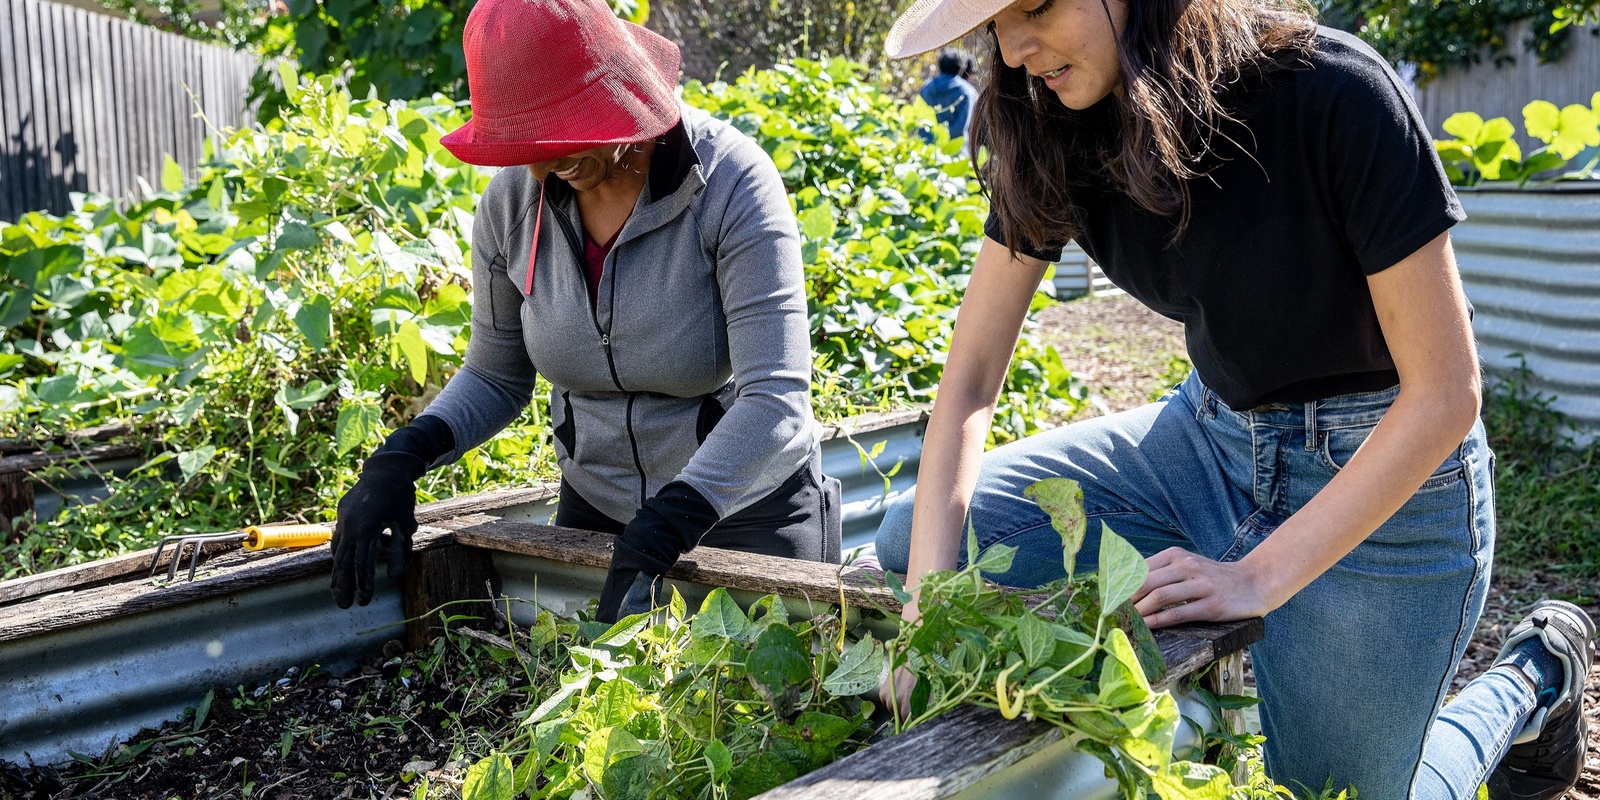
286	536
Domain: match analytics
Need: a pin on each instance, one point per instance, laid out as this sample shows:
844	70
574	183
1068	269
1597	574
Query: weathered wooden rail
20	459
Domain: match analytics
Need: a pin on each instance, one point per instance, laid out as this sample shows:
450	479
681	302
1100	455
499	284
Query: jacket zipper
594	315
605	343
634	442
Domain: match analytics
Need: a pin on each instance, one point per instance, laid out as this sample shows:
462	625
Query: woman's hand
896	693
1187	587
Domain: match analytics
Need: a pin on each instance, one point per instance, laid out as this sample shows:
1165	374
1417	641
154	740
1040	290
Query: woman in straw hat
1269	184
642	257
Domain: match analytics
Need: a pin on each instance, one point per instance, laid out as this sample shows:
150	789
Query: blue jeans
1353	670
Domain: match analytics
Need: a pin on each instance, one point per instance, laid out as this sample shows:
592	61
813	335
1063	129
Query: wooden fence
88	102
1502	91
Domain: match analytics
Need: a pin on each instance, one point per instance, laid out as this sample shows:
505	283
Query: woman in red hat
1271	185
642	256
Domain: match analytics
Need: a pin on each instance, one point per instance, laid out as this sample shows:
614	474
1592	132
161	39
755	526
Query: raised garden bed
88	666
1530	263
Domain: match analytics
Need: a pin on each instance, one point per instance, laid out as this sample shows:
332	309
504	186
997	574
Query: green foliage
1576	12
1081	658
240	23
889	226
389	48
1547	488
726	704
1487	150
266	325
1442	36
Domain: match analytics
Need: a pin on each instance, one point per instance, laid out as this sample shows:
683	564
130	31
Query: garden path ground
1128	355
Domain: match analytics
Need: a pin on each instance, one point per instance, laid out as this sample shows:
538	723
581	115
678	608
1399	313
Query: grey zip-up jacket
693	364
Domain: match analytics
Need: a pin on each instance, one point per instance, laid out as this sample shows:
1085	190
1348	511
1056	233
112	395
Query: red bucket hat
549	78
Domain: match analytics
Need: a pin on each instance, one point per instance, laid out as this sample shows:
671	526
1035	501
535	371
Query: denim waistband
1361	409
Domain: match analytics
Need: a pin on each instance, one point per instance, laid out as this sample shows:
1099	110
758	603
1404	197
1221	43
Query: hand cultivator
251	538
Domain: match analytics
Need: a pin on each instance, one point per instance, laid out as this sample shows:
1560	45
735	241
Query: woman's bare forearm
987	327
1414	438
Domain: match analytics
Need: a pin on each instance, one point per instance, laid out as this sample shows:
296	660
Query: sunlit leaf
357	423
1122	570
490	779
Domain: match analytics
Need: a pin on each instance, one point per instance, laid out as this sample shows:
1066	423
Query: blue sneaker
1546	757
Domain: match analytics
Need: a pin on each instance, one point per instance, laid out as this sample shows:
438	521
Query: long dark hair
1148	140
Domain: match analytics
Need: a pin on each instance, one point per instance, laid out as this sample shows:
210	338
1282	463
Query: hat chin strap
538	221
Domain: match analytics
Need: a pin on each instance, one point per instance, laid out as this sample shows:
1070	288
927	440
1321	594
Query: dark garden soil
1128	355
308	736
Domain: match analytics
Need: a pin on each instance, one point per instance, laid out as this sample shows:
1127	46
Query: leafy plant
726	704
1075	654
1576	12
727	37
238	23
1487	150
264	326
259	329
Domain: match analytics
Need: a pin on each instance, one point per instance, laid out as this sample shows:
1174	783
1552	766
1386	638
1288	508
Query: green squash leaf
1122	680
314	319
760	773
607	746
997	560
190	462
1187	780
1038	643
719	759
171	174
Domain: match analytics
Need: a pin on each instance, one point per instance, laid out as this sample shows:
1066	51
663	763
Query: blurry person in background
951	96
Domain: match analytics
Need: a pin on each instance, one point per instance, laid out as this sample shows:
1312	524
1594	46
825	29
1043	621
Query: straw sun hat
549	78
930	24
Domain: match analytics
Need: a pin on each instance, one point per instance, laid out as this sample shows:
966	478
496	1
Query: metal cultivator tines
251	538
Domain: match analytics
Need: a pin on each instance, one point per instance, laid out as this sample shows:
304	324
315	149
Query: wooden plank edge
705	565
137	563
934	760
219	578
31	462
872	423
485	502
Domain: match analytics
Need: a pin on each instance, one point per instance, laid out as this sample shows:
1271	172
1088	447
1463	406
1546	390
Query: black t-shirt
1337	180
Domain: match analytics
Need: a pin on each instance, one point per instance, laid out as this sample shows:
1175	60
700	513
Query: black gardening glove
379	512
668	525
